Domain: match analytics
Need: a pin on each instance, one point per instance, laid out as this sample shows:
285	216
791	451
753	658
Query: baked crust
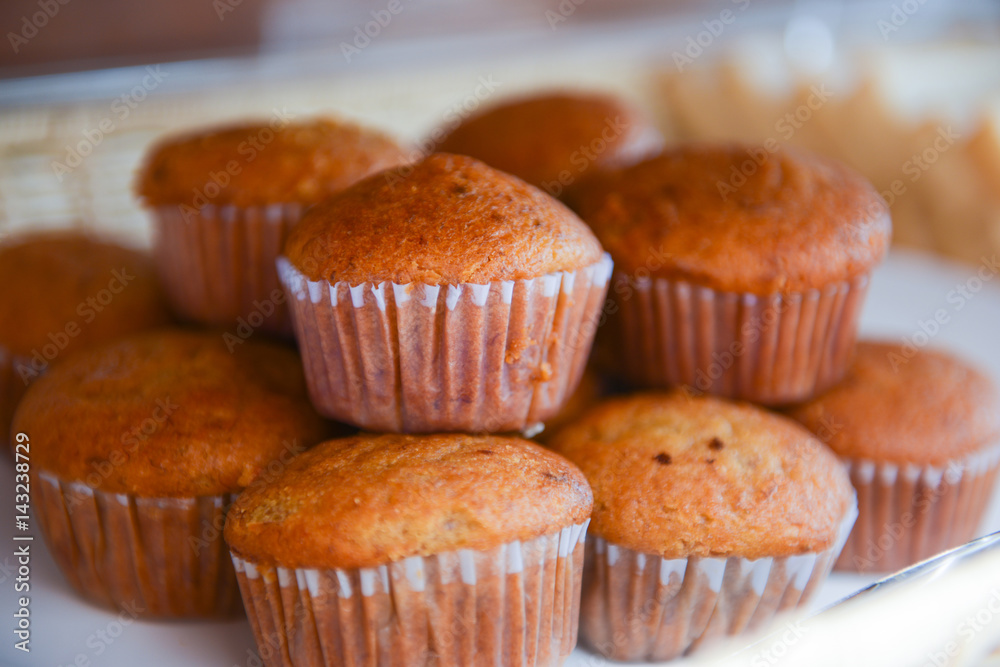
170	413
899	405
799	221
56	280
373	499
681	476
264	163
550	140
447	220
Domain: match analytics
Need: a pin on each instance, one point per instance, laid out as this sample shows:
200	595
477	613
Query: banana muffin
552	140
138	448
709	518
449	549
919	432
740	270
460	299
223	200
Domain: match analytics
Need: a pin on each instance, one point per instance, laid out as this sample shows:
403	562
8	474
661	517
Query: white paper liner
217	266
908	513
502	356
155	557
774	349
638	606
517	604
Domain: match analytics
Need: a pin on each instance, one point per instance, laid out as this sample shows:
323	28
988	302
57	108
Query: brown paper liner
909	513
517	604
217	265
153	557
774	349
423	358
638	606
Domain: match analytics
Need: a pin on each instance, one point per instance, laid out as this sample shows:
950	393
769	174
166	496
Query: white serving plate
908	289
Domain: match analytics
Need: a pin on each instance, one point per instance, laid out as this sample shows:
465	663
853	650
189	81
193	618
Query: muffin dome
170	413
57	280
715	215
449	220
550	140
680	476
371	499
283	161
921	407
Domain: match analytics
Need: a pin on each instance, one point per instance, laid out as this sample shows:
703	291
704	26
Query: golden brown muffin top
77	289
449	220
798	222
170	413
373	499
264	163
903	405
541	137
684	476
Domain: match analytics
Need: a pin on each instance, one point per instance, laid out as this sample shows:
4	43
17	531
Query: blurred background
908	91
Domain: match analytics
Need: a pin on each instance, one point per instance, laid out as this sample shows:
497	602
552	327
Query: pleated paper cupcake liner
217	265
12	389
638	606
154	557
502	356
775	349
908	513
515	605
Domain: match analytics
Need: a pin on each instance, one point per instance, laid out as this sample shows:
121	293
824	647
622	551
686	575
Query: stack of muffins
448	308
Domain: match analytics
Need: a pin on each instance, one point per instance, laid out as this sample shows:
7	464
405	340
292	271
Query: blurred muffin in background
223	200
919	432
139	447
460	299
64	292
445	549
740	271
553	139
710	517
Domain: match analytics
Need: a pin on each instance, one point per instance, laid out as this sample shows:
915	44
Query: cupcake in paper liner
710	518
553	139
919	433
457	298
224	199
442	549
66	291
740	271
138	448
